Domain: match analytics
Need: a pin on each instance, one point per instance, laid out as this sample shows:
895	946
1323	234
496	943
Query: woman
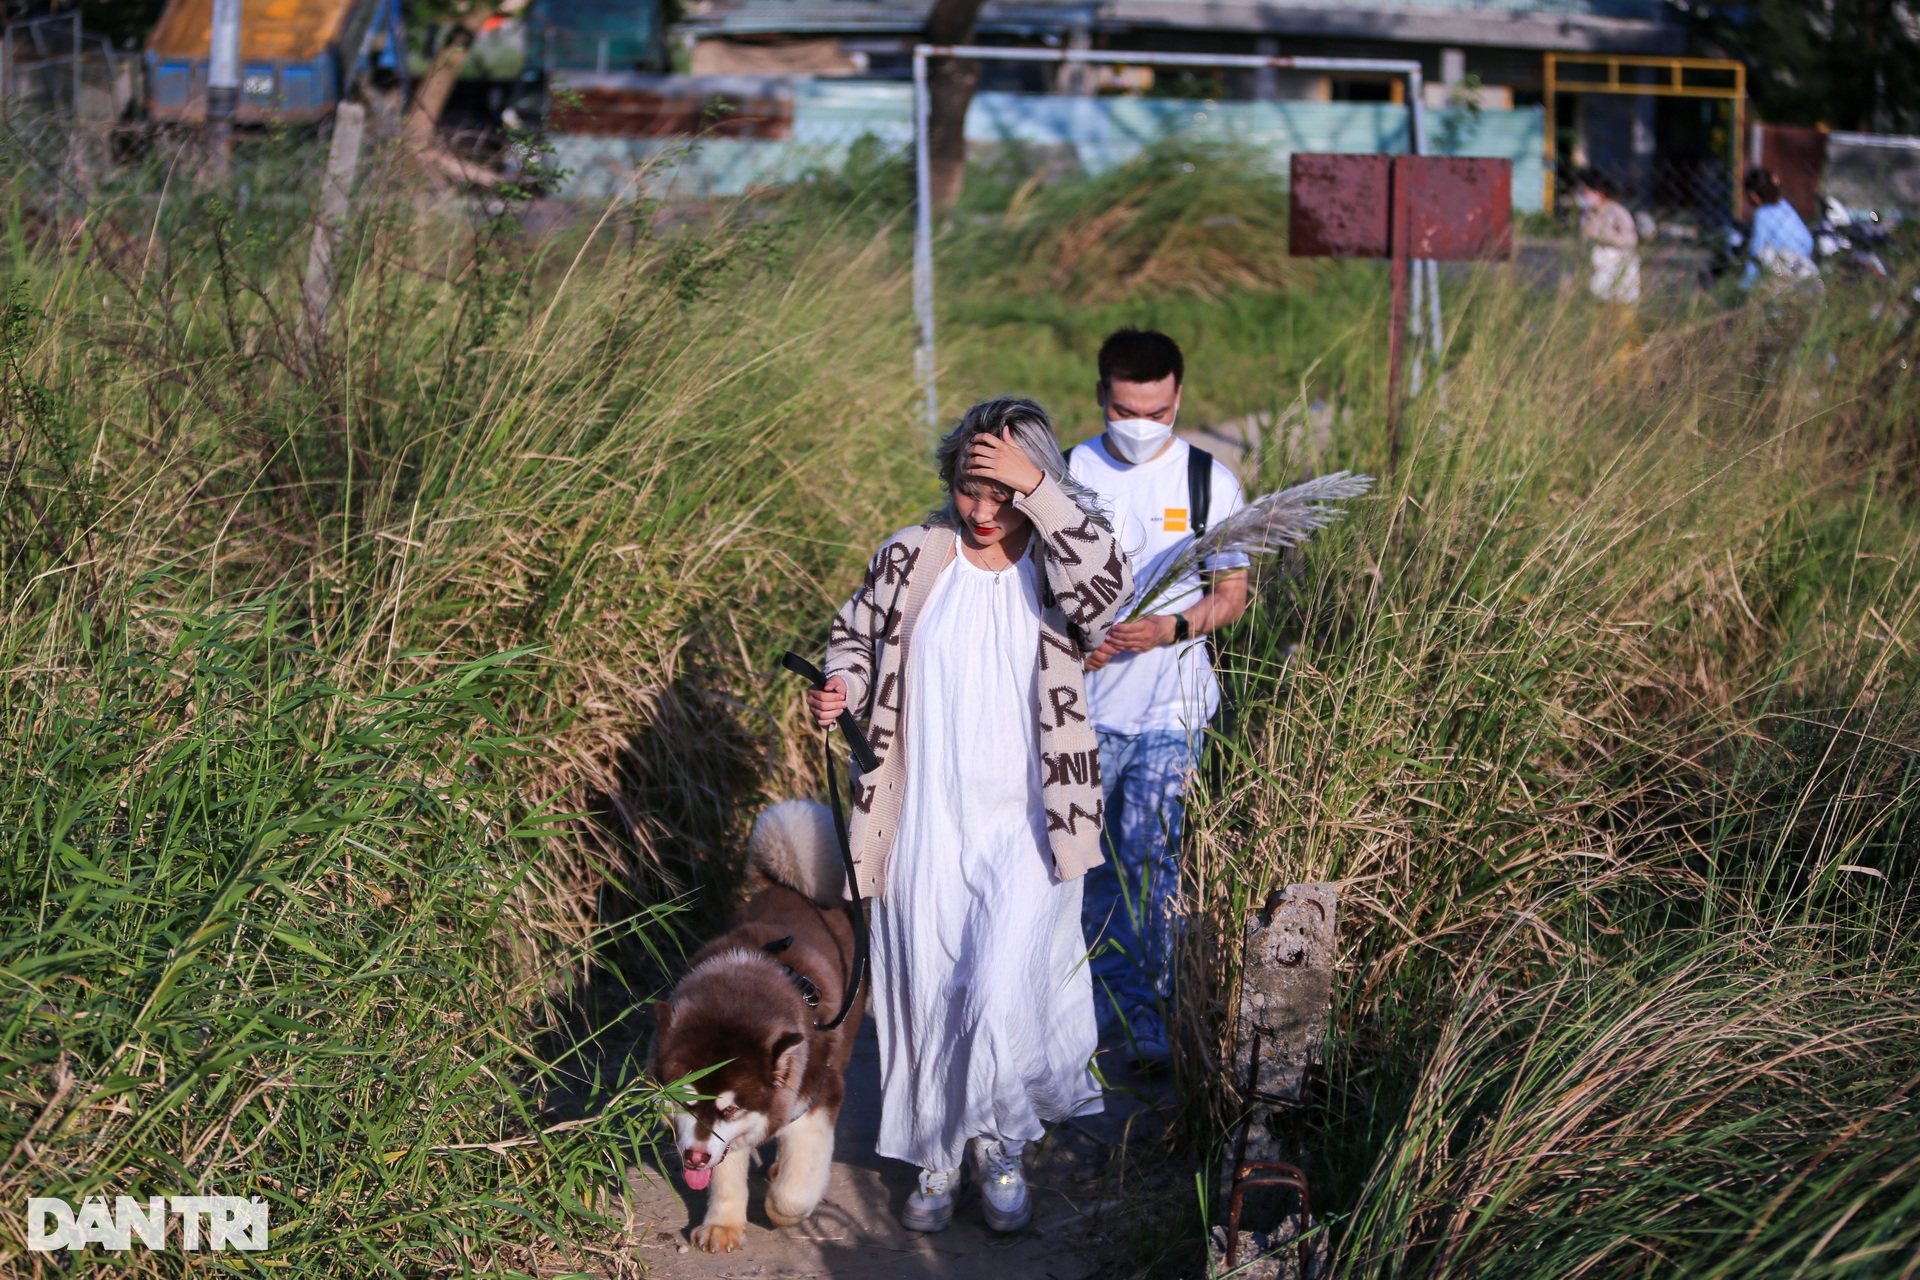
1613	241
963	650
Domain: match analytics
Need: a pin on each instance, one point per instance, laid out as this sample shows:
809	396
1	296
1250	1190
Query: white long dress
983	1000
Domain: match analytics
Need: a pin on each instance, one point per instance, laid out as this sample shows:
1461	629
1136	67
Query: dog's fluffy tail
793	843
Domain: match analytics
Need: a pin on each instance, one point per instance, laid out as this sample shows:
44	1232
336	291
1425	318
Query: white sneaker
930	1208
1003	1183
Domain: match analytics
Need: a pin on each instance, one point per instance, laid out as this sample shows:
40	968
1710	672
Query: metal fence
52	65
63	94
1692	193
1874	171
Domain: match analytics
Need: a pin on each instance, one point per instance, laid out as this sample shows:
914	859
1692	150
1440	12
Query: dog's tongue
697	1179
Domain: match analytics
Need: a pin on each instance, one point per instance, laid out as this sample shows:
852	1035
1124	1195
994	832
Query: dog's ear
662	1015
788	1055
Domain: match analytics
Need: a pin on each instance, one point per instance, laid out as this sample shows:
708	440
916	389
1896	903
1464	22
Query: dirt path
857	1232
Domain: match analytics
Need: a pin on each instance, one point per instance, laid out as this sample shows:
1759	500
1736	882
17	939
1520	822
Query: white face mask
1138	439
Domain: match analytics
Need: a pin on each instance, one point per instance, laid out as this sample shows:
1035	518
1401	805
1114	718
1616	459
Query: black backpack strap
1199	489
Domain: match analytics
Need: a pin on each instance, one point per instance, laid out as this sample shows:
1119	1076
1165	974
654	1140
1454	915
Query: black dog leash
862	752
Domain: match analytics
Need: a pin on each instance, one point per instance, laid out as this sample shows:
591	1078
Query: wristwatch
1182	631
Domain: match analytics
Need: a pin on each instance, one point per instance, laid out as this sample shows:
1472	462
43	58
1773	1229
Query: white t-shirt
1171	687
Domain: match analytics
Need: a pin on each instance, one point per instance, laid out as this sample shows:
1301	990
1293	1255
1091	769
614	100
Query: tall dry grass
1608	692
1600	711
311	649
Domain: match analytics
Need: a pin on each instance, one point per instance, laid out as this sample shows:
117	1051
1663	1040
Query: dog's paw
723	1237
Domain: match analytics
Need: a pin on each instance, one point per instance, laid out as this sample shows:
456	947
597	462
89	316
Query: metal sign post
923	178
1405	209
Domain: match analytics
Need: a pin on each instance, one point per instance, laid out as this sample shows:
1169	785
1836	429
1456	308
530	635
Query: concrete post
1075	77
1266	80
349	126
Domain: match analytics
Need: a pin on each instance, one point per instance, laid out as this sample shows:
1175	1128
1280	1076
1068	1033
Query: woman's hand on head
827	704
1000	458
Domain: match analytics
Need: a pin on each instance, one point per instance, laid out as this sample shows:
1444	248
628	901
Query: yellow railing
1673	78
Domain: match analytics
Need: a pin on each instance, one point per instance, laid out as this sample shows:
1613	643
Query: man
1151	687
1780	243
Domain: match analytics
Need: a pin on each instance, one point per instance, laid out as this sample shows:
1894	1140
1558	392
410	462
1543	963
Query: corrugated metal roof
748	17
291	30
1576	25
1542	24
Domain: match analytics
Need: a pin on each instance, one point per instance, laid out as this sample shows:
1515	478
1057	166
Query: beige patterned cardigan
1087	586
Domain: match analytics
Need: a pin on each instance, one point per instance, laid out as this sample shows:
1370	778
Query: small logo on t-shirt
1175	520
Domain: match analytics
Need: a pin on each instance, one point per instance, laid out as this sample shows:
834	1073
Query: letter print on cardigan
878	619
1079	768
880	733
841	632
1064	698
1100	590
896	563
1060	547
1066	646
1076	815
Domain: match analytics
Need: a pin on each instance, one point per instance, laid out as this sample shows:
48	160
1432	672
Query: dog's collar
801	982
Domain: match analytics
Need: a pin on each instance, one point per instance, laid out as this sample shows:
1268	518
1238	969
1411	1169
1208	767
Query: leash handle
856	740
862	752
852	902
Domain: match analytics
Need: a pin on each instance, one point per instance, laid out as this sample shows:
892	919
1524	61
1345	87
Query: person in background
1780	243
1613	243
1150	685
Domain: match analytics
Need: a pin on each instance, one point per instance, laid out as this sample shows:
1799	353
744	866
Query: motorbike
1850	241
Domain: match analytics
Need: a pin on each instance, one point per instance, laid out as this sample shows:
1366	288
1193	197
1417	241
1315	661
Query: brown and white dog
749	1005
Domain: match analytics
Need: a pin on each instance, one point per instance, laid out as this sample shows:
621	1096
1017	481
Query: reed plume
1264	526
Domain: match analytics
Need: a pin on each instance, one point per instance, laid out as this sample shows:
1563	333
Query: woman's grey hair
1030	427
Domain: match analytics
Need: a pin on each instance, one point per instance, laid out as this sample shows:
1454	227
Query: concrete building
1490	50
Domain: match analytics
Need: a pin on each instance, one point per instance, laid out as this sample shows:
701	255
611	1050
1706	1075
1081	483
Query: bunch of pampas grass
1264	526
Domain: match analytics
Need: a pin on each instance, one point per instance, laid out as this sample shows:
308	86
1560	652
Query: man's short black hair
1762	185
1140	355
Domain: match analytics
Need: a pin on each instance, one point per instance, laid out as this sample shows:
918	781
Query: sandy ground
856	1231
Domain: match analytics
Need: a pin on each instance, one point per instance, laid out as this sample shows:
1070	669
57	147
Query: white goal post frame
923	177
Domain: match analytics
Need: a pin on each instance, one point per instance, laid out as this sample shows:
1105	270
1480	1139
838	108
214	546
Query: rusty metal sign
1459	208
1339	206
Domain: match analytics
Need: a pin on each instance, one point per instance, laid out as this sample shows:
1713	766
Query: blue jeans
1131	907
